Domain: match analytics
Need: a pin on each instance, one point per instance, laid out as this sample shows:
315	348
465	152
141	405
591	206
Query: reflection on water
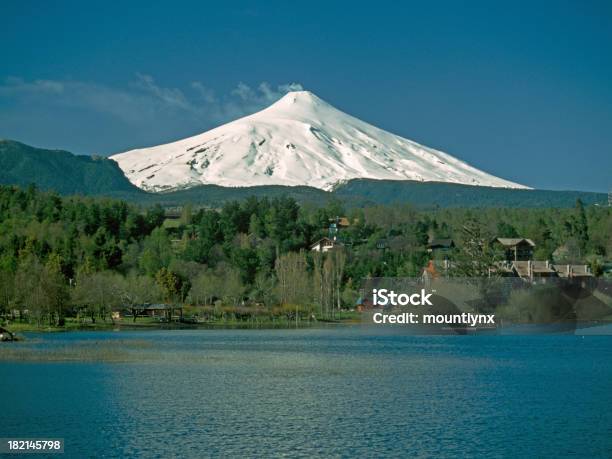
316	392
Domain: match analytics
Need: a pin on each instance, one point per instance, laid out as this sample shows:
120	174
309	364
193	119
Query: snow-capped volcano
298	140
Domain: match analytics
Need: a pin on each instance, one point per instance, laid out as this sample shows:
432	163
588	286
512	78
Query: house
445	244
343	222
336	224
573	271
533	270
325	245
432	271
159	310
363	303
515	249
440	247
539	270
382	244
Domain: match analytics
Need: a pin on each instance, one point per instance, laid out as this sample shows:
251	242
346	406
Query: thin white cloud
205	93
244	92
173	97
144	100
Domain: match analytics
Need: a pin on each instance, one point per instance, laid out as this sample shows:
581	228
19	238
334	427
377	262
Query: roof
541	267
324	239
430	270
522	269
537	267
513	241
447	243
572	270
343	221
158	306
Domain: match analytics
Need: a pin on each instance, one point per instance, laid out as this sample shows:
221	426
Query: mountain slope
61	171
299	140
427	194
367	192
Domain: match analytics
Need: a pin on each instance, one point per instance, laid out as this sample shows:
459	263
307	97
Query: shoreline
17	328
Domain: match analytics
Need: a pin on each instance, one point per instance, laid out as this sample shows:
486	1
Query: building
335	225
363	303
573	271
439	248
539	271
533	270
158	310
325	245
515	249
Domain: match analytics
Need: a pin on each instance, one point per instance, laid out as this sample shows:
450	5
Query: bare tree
30	292
98	292
136	290
339	261
293	278
294	284
205	288
318	260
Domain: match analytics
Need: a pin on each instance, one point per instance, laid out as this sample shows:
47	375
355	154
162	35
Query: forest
84	257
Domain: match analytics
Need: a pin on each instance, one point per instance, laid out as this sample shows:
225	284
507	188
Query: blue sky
519	89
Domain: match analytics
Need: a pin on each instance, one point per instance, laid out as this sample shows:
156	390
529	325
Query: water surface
338	392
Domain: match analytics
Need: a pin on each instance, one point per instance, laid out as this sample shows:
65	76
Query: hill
62	171
425	194
364	192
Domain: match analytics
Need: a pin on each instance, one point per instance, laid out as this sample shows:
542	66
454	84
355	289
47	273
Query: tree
246	260
30	294
7	291
98	292
232	288
169	284
205	288
505	229
338	258
476	256
157	252
580	226
320	295
293	278
264	289
55	288
136	290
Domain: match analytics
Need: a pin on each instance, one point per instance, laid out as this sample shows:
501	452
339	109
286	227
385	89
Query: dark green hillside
61	171
364	192
214	195
427	194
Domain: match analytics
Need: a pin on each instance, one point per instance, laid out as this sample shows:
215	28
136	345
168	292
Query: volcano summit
298	140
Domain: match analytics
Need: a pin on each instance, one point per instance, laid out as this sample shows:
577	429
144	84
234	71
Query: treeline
75	256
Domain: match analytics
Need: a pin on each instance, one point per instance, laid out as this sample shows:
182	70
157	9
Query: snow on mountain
299	140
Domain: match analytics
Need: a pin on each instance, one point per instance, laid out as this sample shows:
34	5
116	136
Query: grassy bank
152	323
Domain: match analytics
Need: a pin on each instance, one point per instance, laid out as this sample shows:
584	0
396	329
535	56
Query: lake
329	392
